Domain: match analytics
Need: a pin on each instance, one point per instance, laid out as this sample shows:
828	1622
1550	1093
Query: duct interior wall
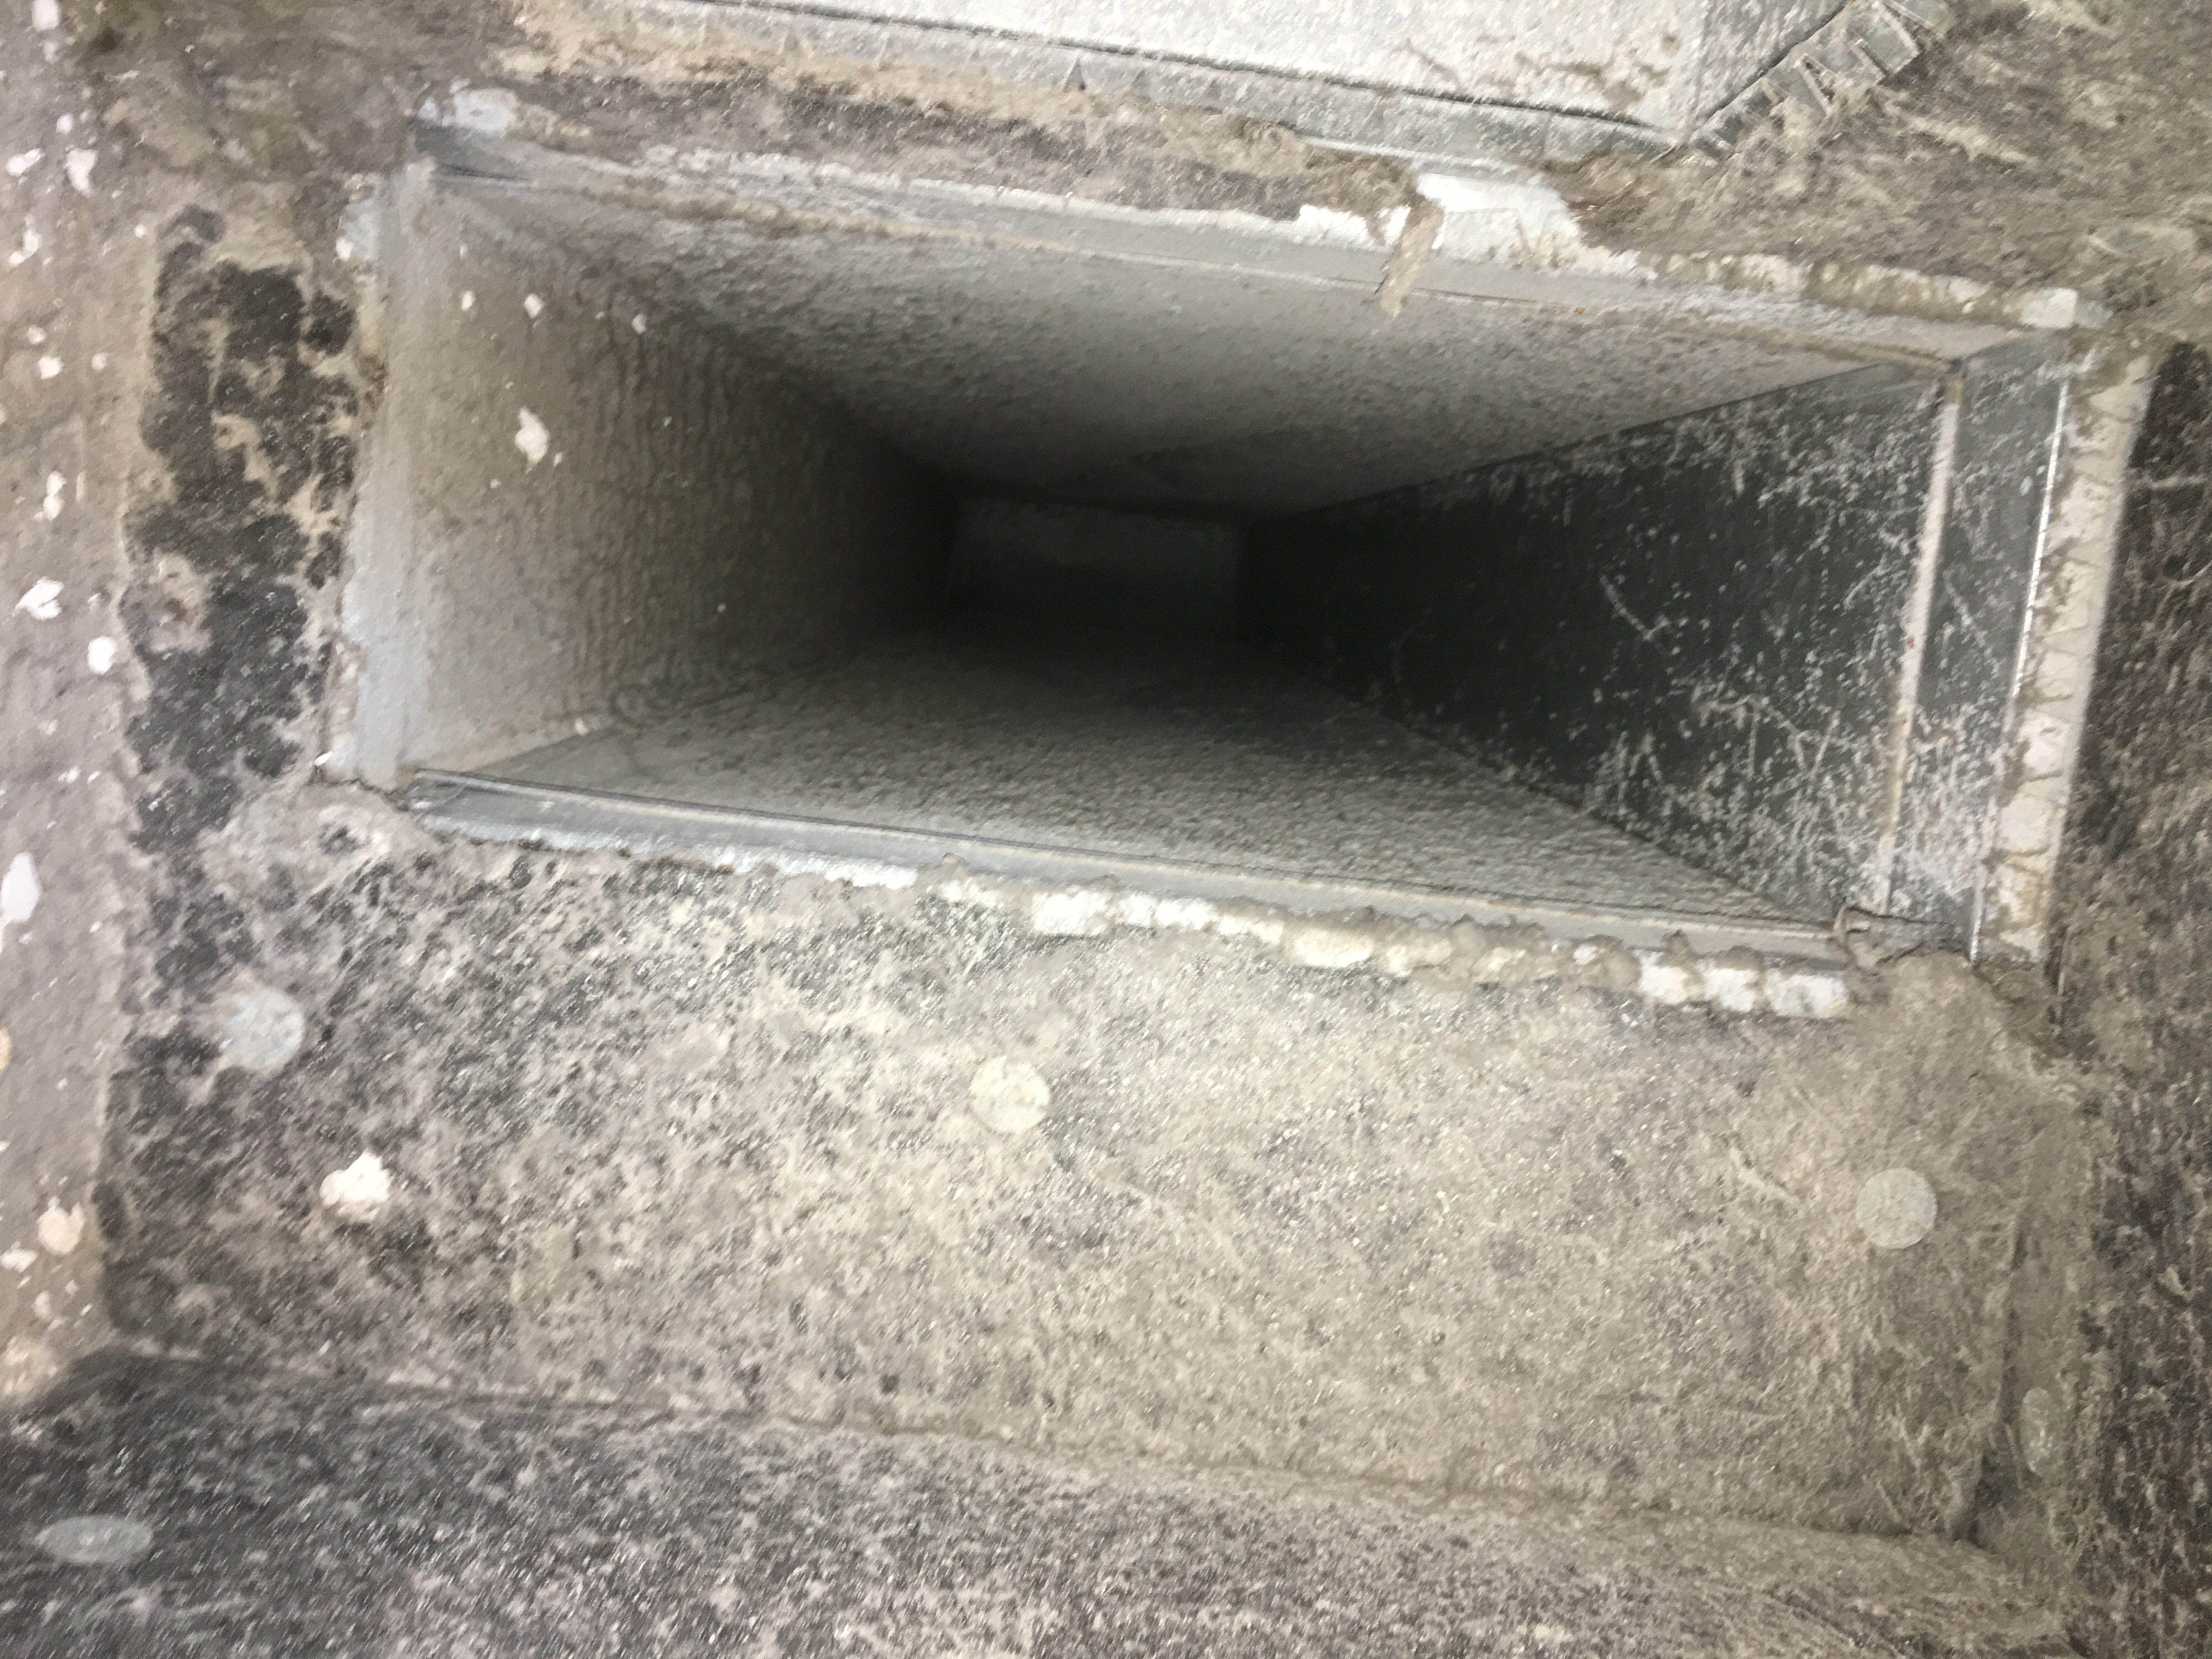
693	528
579	509
1778	637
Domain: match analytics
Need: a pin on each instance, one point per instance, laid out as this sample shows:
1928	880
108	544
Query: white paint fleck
1896	1209
23	161
49	366
344	249
18	1260
358	1192
18	891
637	323
100	655
78	164
1077	913
468	299
1317	944
42	599
46	16
96	1541
1669	982
1009	1095
1735	990
26	1364
532	438
36	335
99	361
61	1230
51	508
262	1028
534	305
65	124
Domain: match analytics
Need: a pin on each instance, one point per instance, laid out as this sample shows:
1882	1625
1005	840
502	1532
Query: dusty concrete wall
587	1126
72	279
578	505
2124	1499
635	1130
511	1045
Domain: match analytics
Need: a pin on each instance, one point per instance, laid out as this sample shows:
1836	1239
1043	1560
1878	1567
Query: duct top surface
1653	66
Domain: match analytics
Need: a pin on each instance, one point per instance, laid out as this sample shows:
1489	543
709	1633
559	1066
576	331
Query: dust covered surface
288	1516
2135	988
595	1128
2043	142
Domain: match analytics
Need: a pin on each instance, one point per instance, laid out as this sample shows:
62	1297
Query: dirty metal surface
1472	77
1714	631
2012	401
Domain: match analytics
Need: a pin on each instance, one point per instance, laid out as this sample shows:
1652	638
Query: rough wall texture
2135	986
71	324
669	1135
2041	141
578	504
261	881
673	1135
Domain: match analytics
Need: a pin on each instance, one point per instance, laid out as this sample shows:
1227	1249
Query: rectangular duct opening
1192	568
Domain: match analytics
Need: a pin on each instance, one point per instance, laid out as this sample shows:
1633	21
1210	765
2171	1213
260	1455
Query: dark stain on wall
252	414
2134	976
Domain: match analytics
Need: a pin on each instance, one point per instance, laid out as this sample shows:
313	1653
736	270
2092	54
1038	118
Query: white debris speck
346	249
489	110
532	438
50	509
20	164
468	299
78	164
18	891
66	125
59	1230
360	1191
18	1260
1317	944
100	655
96	1541
42	599
1896	1209
99	360
49	366
1074	911
262	1028
637	323
533	305
31	246
45	15
1009	1095
36	335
